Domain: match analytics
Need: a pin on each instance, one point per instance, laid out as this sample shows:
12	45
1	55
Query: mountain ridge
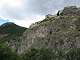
60	31
55	32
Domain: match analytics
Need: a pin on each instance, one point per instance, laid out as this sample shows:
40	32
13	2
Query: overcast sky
26	12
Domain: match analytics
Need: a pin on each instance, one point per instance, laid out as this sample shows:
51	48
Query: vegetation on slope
11	28
40	54
49	54
11	34
54	38
7	54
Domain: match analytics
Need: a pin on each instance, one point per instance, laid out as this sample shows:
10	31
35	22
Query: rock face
54	32
61	32
71	11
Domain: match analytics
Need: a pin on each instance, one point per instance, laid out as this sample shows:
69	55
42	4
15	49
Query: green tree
7	54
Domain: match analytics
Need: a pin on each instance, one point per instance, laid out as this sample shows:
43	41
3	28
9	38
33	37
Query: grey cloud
44	6
72	2
16	13
48	6
37	7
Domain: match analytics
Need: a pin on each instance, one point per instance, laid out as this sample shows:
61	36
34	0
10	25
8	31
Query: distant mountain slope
10	34
11	28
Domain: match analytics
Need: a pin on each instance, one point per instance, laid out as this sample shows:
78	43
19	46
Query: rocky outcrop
71	11
61	33
54	32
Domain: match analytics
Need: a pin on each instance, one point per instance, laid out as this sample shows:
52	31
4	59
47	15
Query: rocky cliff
54	32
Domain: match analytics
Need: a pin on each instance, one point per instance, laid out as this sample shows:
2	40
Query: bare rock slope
54	32
61	32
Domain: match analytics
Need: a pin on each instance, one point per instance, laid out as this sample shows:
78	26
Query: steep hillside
57	32
54	32
10	34
60	31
